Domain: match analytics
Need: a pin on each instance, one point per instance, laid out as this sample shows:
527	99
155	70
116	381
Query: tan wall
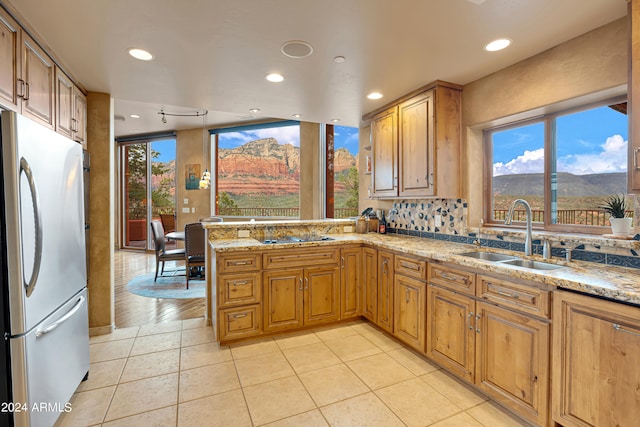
550	81
189	150
100	145
311	177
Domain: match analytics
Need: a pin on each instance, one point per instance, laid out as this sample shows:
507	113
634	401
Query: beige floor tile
416	364
308	419
365	410
160	328
198	322
363	327
458	393
203	354
277	399
332	384
379	371
296	339
100	352
253	348
158	342
460	420
151	365
491	415
197	336
208	380
417	403
117	334
382	340
87	408
352	347
222	410
263	368
310	357
103	374
326	333
164	417
144	395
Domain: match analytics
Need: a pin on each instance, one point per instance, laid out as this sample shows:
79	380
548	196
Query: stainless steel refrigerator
43	294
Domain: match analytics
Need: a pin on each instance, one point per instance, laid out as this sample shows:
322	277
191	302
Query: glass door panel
135	224
163	185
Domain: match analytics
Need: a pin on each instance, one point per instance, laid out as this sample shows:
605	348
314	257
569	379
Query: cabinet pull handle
469	317
300	288
410	266
20	88
635	158
478	316
306	283
508	295
239	263
431	179
342	261
385	267
406	295
243	282
26	98
454	277
395	182
626	331
238	316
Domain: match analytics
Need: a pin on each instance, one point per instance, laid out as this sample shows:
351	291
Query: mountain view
598	185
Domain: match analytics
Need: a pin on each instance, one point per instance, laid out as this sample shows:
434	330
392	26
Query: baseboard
101	330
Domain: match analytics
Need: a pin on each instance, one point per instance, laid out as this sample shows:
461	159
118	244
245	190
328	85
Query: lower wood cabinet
385	290
350	282
370	286
596	362
410	303
239	322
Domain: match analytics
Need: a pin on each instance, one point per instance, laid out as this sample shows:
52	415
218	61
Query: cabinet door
512	360
450	331
9	61
384	144
596	362
350	278
321	295
370	288
38	74
79	117
385	290
410	302
416	147
64	104
282	299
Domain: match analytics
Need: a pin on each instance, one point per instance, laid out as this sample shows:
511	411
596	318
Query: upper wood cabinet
71	109
416	144
9	60
633	95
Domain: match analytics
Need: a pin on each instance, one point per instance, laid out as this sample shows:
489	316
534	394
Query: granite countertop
616	283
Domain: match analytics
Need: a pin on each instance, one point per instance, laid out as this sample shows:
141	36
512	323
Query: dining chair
168	222
162	254
194	242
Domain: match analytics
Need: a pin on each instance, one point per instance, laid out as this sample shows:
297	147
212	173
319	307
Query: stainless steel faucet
508	218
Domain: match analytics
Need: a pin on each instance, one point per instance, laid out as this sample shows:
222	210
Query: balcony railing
567	216
281	212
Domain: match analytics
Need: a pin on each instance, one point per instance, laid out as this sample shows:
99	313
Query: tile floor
174	374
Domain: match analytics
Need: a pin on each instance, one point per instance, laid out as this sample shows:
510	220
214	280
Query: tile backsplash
446	219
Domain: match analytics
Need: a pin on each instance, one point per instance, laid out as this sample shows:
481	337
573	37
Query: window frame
548	120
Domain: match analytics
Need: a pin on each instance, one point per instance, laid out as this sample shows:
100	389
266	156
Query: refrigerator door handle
24	166
61	320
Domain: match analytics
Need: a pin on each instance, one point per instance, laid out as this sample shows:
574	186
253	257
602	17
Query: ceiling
215	54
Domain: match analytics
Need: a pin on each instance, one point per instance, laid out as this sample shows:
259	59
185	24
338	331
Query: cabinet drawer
239	322
239	263
410	267
521	296
452	278
300	257
239	289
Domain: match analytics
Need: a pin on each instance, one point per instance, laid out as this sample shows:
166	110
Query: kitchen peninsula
472	317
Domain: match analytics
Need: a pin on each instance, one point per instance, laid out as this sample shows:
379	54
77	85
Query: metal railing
565	216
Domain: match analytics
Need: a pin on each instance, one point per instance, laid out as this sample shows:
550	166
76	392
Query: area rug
173	284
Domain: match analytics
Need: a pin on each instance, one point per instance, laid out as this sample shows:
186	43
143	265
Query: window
258	170
564	165
345	171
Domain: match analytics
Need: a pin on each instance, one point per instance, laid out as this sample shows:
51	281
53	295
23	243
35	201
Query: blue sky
592	141
166	148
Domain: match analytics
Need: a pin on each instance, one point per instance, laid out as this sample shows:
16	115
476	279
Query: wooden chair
168	222
194	242
163	255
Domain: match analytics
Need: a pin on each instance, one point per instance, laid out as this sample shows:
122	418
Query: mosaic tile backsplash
446	219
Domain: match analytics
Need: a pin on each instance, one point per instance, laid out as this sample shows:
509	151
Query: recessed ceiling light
254	110
134	116
140	54
497	44
335	120
374	95
275	77
339	59
297	116
296	49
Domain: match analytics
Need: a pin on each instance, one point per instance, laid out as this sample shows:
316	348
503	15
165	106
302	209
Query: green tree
137	182
352	185
226	205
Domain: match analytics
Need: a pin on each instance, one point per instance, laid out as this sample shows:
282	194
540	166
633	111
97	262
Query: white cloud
284	135
612	158
529	162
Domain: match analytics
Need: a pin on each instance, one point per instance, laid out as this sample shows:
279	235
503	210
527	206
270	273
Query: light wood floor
134	310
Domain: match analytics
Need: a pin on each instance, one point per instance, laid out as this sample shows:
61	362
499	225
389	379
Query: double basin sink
298	239
511	260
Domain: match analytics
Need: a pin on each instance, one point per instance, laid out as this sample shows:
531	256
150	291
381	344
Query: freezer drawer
49	362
